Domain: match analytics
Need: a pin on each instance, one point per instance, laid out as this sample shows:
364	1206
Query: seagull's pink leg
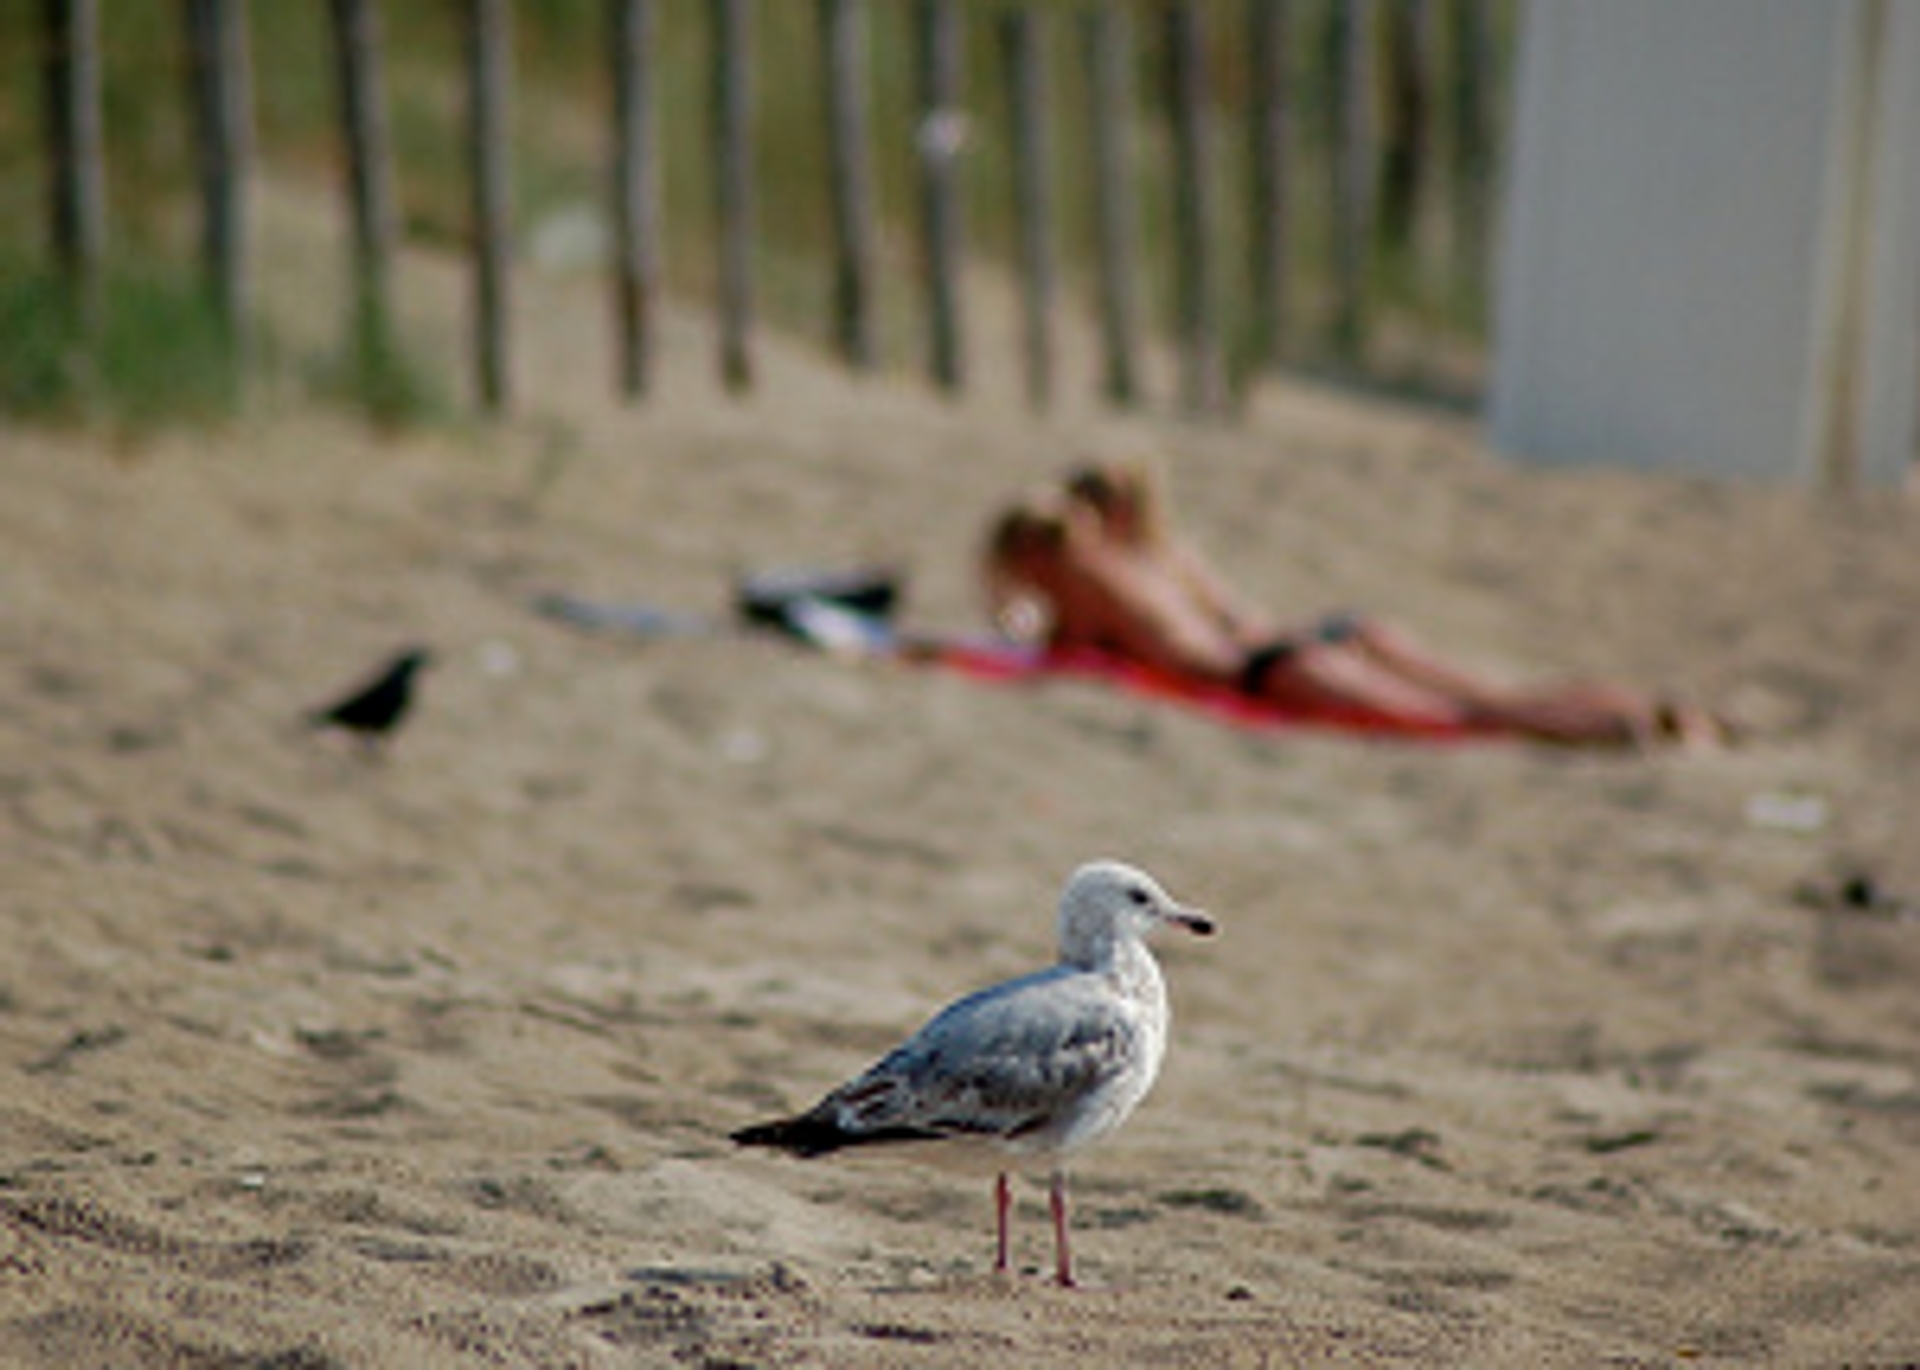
1063	1256
1002	1201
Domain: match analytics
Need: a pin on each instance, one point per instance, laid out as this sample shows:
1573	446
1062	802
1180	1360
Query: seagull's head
1108	901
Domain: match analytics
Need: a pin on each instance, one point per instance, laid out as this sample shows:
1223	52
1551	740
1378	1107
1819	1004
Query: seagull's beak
1195	921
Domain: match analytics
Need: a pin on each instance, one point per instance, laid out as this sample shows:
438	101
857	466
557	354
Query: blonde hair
1118	484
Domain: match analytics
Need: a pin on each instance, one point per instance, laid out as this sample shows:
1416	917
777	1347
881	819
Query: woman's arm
1228	608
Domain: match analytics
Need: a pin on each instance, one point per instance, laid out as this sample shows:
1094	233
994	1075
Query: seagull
1033	1068
376	708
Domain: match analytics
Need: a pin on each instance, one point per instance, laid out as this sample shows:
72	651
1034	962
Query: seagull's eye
1138	896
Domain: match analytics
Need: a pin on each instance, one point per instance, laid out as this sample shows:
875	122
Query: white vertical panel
1890	401
1670	233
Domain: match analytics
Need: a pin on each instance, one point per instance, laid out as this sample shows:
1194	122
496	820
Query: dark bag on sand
780	598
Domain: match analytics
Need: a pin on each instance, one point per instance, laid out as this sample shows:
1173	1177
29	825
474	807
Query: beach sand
1504	1055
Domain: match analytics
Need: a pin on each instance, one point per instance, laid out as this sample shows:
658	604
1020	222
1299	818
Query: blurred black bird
376	708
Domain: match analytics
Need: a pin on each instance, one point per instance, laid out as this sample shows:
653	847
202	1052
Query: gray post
1353	163
1023	47
1108	38
1476	78
489	48
939	134
217	48
733	185
72	34
364	128
1269	199
636	193
843	40
1407	143
1190	107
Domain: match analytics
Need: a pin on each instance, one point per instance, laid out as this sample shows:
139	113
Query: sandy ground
1505	1056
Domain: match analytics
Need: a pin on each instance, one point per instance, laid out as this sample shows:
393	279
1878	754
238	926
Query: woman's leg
1340	680
1396	651
1580	713
1337	679
1569	719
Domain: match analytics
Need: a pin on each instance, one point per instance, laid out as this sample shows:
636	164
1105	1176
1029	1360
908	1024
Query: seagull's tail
817	1132
810	1134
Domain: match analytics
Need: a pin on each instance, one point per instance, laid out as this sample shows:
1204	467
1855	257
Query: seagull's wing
1003	1063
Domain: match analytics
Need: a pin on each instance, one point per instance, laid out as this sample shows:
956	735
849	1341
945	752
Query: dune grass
155	351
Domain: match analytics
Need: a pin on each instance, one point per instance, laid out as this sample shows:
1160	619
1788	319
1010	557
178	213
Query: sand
1504	1056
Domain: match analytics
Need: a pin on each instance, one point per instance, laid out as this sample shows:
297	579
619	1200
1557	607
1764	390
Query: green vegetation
1420	288
158	352
375	373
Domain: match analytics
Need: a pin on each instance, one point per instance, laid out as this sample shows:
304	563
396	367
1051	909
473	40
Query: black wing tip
802	1136
810	1135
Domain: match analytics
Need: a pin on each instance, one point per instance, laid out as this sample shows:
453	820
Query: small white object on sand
1034	1068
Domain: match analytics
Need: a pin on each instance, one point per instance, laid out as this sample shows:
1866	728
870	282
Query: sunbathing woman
1095	567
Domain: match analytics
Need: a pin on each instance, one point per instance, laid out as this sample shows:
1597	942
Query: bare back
1127	601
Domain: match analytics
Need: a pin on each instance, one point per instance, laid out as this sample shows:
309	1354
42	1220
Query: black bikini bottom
1339	627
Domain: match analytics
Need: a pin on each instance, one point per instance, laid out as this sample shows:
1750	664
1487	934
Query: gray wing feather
1001	1063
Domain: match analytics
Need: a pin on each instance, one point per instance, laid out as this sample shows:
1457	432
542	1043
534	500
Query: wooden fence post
1107	36
1190	107
222	102
1476	78
1023	48
364	128
844	53
71	31
636	193
733	185
939	133
489	48
1353	164
1269	199
1406	153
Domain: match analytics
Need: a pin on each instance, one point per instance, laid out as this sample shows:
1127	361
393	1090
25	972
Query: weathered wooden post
844	53
1107	37
1476	79
222	102
71	31
364	129
1406	153
939	135
733	185
1269	198
1353	164
489	71
1189	105
1023	50
636	193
